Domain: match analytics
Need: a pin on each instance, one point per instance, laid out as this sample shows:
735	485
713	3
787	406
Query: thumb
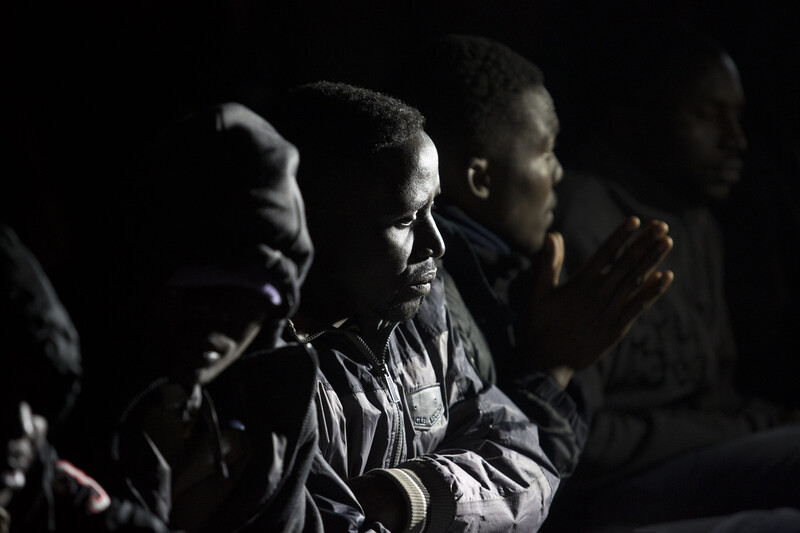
548	269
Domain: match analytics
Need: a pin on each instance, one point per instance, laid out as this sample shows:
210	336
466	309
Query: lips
730	170
425	278
553	202
419	284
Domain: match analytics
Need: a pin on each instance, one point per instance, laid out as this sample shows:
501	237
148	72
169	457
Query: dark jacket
487	275
262	470
668	386
466	457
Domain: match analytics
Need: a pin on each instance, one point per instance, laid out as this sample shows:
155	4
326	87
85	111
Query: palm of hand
574	324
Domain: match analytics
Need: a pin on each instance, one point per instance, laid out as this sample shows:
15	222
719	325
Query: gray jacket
465	456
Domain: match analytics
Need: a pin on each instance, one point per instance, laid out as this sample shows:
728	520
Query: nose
733	134
558	171
428	240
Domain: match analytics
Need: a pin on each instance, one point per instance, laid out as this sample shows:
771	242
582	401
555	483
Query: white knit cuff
415	494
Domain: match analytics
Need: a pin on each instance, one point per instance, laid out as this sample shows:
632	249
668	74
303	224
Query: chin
400	312
529	247
718	192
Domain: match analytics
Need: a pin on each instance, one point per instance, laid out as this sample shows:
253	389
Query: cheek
695	140
397	245
373	263
535	189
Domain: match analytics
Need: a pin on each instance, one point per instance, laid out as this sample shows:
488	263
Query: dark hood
218	188
41	357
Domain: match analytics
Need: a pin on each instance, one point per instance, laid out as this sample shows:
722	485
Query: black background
88	83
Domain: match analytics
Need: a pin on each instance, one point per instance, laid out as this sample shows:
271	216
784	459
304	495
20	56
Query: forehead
718	82
403	178
534	112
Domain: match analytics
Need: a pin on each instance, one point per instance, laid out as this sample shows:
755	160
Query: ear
478	177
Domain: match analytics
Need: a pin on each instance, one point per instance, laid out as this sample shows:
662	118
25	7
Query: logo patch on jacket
426	407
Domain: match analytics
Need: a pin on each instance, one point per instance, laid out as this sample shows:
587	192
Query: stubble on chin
403	311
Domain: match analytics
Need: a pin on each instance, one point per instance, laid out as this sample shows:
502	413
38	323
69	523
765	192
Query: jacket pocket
426	407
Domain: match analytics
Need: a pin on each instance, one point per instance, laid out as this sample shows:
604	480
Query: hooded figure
219	249
39	383
216	191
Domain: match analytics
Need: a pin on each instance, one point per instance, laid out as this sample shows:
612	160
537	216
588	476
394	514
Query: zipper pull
394	393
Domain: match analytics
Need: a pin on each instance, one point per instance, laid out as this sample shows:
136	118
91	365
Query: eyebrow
428	200
432	197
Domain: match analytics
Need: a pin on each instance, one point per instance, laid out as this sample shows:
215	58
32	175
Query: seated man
669	422
495	125
222	442
41	361
424	443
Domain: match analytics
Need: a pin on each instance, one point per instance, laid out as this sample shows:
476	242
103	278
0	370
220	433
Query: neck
374	331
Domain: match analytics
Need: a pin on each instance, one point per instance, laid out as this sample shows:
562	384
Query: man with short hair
425	444
218	441
666	141
40	381
489	111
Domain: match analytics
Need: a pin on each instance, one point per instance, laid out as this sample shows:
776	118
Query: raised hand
568	327
20	444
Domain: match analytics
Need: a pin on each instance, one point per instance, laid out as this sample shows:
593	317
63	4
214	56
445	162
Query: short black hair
464	84
339	129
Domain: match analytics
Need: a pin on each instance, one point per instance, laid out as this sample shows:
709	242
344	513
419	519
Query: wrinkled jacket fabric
486	274
476	455
278	481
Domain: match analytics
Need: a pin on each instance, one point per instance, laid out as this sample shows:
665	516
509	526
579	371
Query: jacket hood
218	189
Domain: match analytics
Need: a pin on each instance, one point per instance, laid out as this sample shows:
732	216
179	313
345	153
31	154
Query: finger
645	268
558	257
26	419
40	428
655	286
646	246
609	249
551	259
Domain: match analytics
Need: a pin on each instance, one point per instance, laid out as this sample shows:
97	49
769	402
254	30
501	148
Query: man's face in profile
705	132
525	171
385	239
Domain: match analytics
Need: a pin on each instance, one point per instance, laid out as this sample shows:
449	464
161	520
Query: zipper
379	367
396	449
308	338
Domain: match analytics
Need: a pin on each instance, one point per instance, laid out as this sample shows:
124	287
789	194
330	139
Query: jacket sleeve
490	469
559	414
334	501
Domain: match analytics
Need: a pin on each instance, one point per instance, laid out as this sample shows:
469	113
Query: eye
406	222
